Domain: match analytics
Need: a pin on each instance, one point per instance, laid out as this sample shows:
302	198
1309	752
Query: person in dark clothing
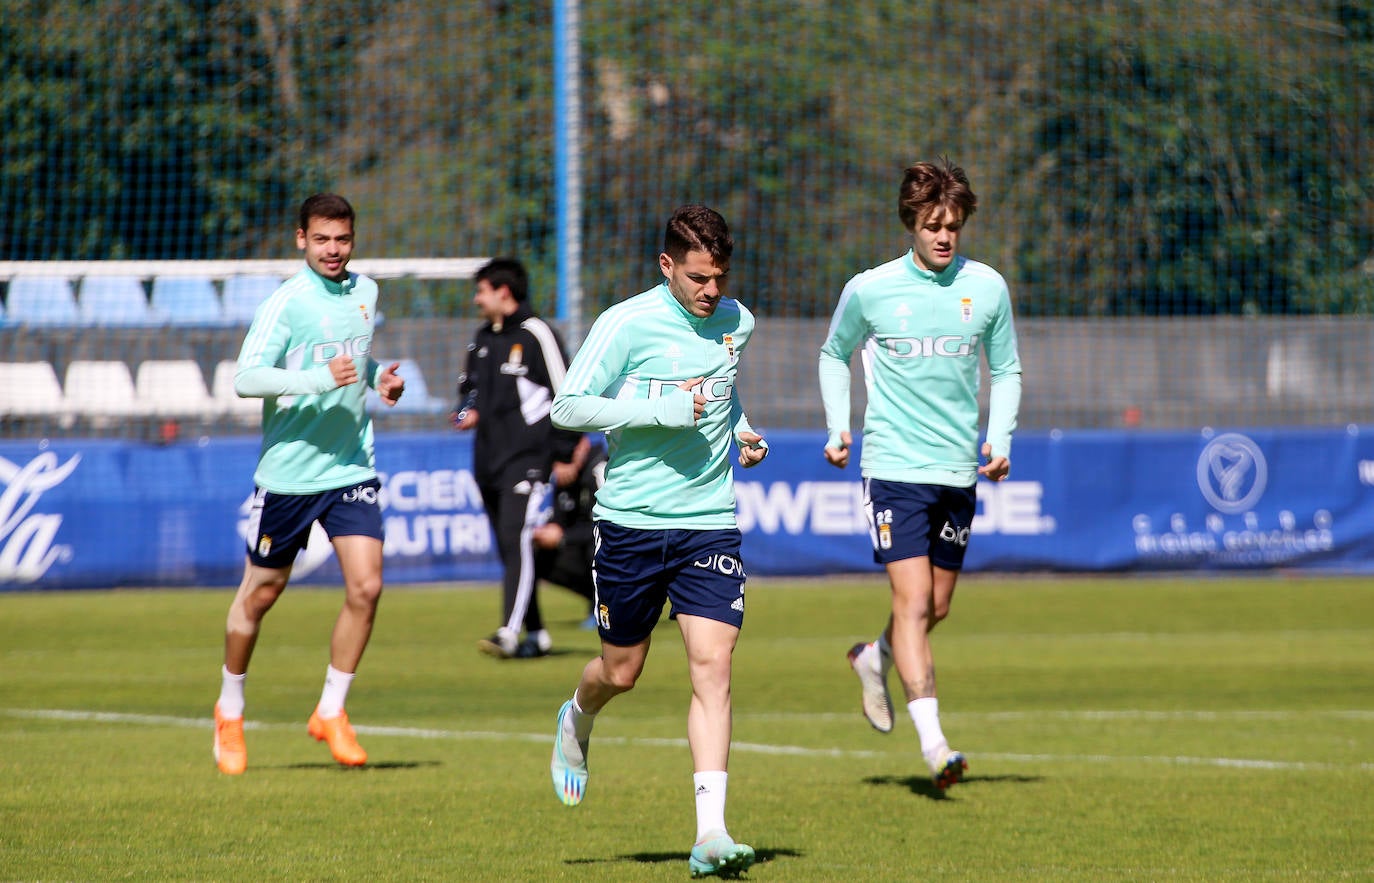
565	540
515	364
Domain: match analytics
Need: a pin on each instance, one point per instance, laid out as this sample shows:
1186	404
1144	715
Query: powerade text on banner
116	513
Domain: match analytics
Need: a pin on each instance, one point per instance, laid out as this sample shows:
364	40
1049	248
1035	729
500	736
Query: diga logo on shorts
728	565
956	535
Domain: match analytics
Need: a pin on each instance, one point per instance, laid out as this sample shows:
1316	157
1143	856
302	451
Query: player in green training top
307	355
922	320
657	375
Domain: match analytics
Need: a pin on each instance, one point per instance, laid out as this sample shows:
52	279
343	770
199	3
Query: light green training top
664	471
921	334
315	436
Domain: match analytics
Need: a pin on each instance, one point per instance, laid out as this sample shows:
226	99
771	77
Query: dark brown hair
698	228
330	206
927	186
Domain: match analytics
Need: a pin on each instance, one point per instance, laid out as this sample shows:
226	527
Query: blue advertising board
102	513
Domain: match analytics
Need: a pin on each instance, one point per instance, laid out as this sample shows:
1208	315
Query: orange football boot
338	732
231	754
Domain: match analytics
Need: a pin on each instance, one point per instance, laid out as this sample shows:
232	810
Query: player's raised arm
582	403
258	376
847	328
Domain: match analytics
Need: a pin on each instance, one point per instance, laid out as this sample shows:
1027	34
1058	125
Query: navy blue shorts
279	524
635	571
908	520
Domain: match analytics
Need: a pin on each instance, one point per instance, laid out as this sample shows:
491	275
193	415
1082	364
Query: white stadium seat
101	389
29	389
174	388
222	390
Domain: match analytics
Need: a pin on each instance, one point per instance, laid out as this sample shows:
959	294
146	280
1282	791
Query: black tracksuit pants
513	508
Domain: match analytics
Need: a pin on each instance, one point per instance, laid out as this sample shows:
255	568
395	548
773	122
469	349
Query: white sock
336	684
577	729
543	639
885	653
231	693
925	713
710	788
581	720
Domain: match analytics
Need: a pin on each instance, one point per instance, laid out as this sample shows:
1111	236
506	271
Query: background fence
1135	160
1181	195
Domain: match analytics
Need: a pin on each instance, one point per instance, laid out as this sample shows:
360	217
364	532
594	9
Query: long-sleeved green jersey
921	334
665	470
315	436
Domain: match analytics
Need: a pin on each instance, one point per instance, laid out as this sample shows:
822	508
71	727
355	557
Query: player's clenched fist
343	369
698	400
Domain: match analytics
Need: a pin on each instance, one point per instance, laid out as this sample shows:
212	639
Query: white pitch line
1090	715
1146	715
411	732
747	747
1226	762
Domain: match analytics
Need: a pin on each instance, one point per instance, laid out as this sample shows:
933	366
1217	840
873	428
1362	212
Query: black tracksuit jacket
511	374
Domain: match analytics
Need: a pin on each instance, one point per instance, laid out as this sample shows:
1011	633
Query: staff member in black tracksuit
515	365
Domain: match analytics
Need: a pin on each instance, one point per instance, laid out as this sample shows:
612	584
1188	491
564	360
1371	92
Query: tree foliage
1131	157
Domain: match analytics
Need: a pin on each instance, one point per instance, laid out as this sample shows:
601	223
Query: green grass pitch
1117	729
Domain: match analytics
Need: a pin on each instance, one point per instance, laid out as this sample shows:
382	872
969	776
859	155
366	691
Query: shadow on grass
379	765
921	786
553	653
761	856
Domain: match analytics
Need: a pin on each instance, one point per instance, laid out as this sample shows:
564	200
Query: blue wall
96	513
